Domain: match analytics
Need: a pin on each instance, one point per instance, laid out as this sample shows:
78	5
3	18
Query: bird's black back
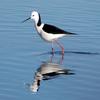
54	30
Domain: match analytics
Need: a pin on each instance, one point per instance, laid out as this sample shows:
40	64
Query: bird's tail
70	33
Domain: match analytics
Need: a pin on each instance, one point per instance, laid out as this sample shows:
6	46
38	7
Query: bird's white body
45	36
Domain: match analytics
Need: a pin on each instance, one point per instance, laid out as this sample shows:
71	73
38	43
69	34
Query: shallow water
22	51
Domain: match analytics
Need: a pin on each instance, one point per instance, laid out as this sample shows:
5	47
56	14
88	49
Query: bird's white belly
49	37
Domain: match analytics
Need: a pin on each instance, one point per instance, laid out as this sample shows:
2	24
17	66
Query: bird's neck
38	21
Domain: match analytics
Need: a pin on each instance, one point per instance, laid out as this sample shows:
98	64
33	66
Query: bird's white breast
39	29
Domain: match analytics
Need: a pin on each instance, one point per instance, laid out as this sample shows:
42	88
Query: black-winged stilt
49	33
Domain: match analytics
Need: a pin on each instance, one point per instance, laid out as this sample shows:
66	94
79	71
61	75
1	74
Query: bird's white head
36	17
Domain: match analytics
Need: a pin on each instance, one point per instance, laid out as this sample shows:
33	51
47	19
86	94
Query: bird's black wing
54	30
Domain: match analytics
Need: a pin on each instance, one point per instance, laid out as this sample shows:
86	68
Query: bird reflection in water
47	71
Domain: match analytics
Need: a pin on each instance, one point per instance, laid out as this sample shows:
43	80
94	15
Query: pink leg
62	48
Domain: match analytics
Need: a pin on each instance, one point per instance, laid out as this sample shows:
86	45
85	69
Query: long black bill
26	19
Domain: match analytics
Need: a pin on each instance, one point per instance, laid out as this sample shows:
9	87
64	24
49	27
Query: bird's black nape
39	22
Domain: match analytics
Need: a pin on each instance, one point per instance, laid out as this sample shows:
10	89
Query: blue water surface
22	51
